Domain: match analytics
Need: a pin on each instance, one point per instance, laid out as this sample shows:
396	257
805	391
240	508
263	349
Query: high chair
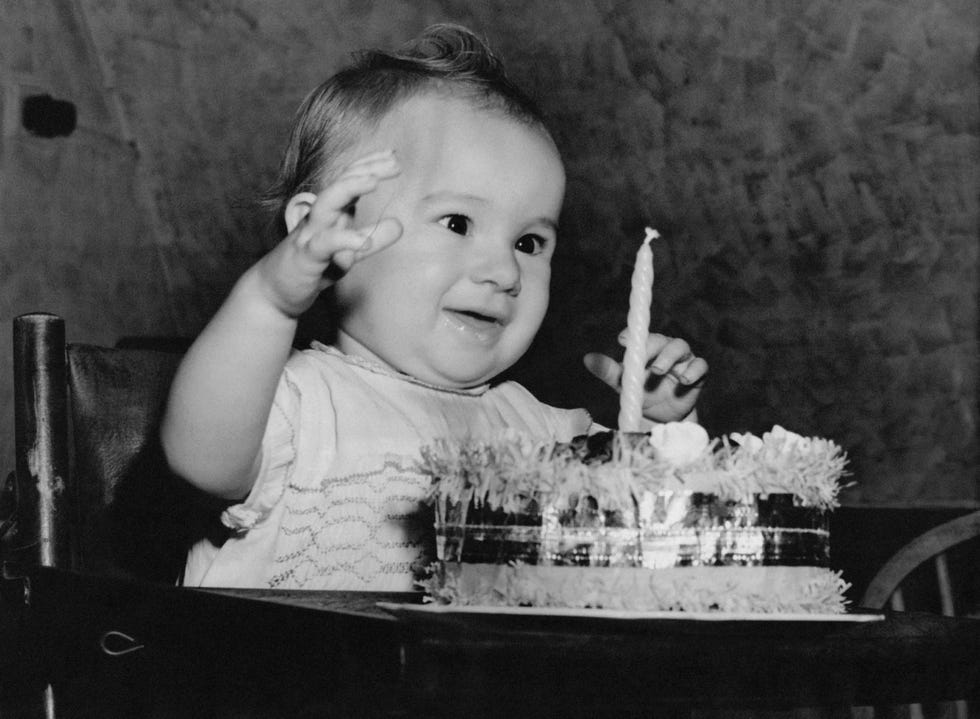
930	552
91	493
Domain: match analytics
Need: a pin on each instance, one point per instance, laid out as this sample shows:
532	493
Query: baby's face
459	297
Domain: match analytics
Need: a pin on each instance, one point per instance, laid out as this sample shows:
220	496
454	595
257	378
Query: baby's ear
297	208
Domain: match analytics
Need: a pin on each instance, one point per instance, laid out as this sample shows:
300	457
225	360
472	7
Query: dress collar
378	368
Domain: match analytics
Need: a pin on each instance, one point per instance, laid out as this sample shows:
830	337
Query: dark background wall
812	165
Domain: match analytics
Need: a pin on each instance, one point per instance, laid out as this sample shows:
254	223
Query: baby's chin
473	369
456	369
452	371
450	379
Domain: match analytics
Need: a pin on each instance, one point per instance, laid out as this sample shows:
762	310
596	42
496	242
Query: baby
423	190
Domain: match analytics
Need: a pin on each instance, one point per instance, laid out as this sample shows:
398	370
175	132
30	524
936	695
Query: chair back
92	488
931	549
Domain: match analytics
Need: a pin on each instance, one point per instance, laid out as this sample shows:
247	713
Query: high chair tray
591	620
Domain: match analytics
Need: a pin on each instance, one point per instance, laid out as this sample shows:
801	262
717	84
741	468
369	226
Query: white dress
337	503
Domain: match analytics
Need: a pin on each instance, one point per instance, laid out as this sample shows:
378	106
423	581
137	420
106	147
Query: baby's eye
460	224
530	244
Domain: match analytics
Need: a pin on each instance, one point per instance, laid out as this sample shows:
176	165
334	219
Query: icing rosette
679	443
783	462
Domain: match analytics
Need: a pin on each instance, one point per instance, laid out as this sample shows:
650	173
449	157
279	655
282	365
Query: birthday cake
668	520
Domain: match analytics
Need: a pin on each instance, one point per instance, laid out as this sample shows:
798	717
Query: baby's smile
482	327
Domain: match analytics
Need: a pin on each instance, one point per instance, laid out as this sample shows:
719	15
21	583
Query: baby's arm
224	388
674	383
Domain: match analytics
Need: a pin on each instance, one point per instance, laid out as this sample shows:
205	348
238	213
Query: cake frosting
668	520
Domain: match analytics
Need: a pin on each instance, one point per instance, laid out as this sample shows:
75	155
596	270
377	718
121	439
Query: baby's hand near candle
674	380
324	241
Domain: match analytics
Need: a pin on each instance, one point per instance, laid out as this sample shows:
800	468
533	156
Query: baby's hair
330	120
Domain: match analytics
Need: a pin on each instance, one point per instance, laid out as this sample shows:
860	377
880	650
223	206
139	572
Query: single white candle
637	332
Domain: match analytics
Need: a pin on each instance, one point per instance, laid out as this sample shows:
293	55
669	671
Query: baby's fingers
378	236
333	206
605	368
673	357
689	372
365	242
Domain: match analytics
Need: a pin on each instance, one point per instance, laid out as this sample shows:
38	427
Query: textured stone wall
812	165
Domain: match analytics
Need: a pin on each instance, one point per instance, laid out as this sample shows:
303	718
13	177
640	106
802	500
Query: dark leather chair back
93	491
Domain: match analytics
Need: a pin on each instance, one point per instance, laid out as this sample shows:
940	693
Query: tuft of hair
331	119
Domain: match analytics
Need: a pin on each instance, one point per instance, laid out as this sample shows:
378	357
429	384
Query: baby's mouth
476	322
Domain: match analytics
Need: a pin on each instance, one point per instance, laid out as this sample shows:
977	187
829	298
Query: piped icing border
766	590
618	469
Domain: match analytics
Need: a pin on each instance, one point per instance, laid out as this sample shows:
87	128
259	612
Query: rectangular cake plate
564	619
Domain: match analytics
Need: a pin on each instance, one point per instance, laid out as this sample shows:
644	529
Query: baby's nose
498	265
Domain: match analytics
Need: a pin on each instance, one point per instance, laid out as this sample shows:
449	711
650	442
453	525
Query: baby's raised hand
673	384
323	242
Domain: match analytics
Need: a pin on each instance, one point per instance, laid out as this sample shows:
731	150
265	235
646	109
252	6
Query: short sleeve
277	460
519	408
